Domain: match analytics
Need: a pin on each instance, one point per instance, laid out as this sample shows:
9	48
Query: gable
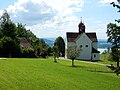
83	38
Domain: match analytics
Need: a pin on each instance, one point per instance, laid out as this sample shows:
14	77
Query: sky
53	18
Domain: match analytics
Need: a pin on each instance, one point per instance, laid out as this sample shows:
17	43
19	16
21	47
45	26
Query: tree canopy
10	42
59	42
113	33
73	52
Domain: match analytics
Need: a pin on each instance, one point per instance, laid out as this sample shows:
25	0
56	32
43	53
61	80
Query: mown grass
104	59
44	74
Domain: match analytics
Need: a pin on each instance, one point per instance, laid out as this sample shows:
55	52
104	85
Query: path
62	58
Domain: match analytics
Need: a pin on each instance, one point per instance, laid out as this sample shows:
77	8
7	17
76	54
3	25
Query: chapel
87	41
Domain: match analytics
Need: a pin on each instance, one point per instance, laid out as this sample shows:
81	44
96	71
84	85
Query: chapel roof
92	36
72	36
94	50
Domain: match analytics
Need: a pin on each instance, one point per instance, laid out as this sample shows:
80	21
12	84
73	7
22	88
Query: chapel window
94	56
81	46
86	45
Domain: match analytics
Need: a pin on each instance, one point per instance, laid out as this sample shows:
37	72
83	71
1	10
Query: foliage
10	43
28	53
4	18
9	30
10	48
73	52
59	42
43	74
55	53
113	33
118	7
115	54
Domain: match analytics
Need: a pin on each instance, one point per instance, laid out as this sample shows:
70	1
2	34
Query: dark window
86	45
81	46
94	56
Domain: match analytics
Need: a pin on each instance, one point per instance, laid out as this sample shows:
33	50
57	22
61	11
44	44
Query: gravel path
62	58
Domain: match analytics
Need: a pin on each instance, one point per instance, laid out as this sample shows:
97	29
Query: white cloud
107	1
55	27
47	18
1	12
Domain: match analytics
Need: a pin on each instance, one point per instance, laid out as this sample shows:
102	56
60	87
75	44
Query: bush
28	53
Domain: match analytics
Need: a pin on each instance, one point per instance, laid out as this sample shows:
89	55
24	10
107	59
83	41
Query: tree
113	33
9	30
9	40
10	48
10	34
117	6
73	52
55	53
59	42
21	30
5	17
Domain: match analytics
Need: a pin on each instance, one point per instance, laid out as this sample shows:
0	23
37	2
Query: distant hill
102	43
49	41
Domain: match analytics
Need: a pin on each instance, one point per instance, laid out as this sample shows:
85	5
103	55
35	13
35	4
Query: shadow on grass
92	69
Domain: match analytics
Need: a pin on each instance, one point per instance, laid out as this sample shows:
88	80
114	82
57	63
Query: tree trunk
73	62
55	59
117	73
117	63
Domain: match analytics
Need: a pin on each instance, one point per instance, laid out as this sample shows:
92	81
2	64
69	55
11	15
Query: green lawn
44	74
104	59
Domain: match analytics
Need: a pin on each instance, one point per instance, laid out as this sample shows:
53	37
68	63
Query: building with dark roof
24	43
86	41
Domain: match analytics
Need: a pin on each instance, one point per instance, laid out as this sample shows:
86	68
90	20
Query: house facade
86	41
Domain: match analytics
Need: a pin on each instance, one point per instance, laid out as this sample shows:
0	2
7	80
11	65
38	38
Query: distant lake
102	49
102	43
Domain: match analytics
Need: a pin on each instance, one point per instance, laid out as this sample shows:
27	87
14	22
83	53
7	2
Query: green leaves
117	5
10	34
113	33
59	42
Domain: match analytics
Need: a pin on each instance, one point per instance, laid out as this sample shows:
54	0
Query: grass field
104	59
44	74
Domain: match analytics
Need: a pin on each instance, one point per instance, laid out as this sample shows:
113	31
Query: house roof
24	43
72	36
94	50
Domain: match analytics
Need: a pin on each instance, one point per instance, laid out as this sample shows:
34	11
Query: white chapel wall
85	43
94	44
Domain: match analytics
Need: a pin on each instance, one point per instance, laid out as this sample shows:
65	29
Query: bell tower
81	27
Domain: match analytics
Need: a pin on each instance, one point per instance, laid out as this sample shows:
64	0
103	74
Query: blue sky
53	18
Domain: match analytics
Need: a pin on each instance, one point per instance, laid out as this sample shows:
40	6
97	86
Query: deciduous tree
73	52
59	42
113	33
